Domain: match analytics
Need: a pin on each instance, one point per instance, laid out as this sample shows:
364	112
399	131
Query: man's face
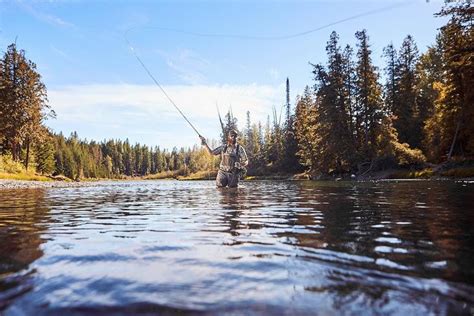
232	138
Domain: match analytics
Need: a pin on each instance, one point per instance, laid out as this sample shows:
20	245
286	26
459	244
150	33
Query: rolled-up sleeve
217	150
243	155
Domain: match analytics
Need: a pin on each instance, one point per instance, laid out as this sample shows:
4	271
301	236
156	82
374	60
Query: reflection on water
264	248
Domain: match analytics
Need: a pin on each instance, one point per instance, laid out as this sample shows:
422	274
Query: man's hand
238	165
203	140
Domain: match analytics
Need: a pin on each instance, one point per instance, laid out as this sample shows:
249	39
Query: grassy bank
454	170
200	175
23	176
14	170
10	170
162	175
450	170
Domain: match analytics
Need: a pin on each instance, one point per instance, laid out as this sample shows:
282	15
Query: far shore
387	175
458	171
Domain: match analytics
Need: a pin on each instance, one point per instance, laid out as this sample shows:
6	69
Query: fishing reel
240	169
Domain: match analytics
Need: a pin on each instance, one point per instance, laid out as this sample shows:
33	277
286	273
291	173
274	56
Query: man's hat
233	131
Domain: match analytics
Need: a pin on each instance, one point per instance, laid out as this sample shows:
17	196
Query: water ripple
265	248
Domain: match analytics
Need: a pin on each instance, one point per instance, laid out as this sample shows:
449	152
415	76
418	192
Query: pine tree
333	117
45	156
268	143
23	103
127	158
349	89
307	132
230	123
405	109
430	82
368	94
290	147
69	165
248	141
456	103
288	105
391	85
276	143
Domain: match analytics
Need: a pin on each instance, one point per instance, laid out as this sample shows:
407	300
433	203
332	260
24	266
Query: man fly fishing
233	160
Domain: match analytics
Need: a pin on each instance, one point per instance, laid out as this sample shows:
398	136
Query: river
266	248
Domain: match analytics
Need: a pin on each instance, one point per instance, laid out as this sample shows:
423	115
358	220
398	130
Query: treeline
271	148
346	121
24	137
78	159
350	121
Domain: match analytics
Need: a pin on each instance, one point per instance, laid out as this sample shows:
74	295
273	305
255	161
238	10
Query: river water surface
266	248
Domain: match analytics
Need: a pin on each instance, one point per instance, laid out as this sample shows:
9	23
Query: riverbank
455	170
447	171
23	176
33	184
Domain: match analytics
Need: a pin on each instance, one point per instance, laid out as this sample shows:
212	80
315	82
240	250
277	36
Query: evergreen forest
353	118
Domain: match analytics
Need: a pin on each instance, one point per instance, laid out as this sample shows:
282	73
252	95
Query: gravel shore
19	184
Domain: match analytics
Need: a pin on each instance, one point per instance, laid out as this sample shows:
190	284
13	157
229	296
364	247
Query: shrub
406	155
8	165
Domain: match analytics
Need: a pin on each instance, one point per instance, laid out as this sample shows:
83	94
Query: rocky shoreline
22	184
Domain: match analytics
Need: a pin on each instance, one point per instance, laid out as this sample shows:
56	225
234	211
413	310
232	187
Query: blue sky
202	52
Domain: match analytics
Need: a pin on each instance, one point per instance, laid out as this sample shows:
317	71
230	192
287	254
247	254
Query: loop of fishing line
246	37
279	37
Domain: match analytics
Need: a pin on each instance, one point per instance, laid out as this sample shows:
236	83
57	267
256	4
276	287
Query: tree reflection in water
285	247
23	218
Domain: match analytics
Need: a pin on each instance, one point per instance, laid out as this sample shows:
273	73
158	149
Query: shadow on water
267	248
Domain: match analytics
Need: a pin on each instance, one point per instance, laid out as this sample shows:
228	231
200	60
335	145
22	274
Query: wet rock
20	184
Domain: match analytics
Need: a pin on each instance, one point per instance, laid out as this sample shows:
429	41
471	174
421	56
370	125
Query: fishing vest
228	160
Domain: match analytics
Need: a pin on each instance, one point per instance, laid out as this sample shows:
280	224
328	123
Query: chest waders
228	162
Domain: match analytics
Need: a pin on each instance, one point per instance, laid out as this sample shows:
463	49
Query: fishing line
280	37
158	84
247	37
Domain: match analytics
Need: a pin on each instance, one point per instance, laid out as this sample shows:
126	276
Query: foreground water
265	248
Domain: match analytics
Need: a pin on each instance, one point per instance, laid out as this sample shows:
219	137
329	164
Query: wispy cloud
198	101
45	17
274	74
133	21
143	110
62	54
189	66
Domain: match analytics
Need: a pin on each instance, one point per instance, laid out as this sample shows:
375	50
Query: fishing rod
220	120
158	84
282	37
